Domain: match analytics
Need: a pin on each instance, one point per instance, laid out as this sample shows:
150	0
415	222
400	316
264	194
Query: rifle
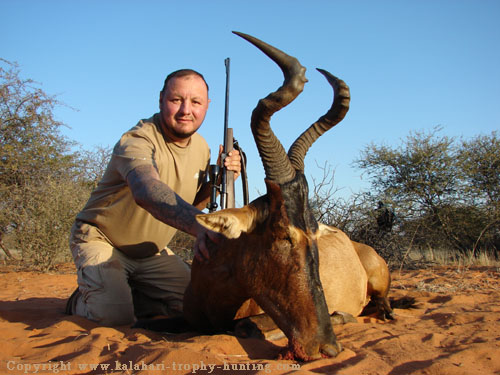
226	187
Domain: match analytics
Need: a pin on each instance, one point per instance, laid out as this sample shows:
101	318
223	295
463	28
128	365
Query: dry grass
446	257
449	279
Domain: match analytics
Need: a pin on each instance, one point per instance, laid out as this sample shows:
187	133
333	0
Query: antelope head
273	240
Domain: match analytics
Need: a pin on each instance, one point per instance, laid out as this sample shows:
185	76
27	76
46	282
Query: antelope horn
274	158
337	112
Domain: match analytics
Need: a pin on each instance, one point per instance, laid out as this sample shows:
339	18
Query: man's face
183	106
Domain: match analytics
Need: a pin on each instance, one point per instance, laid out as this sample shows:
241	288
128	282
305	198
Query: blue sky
410	65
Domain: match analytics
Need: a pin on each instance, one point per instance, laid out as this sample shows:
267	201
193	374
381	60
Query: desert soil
453	328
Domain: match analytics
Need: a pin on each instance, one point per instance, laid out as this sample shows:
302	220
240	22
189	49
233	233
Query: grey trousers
115	289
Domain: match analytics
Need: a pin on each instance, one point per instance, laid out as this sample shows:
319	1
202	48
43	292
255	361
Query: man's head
183	104
182	73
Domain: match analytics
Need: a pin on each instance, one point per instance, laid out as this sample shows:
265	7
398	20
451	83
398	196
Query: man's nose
185	107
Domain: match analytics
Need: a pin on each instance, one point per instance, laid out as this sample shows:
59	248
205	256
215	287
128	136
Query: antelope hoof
331	350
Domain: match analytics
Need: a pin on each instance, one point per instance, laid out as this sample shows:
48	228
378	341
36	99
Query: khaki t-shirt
111	206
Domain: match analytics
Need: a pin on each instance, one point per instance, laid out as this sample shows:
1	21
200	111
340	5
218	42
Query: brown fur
379	279
269	261
347	288
272	247
342	274
351	273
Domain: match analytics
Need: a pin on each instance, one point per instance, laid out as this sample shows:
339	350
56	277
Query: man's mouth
184	119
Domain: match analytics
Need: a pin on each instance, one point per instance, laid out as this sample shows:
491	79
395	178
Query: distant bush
43	182
430	192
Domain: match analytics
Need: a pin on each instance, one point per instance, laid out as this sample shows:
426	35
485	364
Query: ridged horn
337	112
277	166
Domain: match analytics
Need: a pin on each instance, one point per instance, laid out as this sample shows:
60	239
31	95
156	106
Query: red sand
453	329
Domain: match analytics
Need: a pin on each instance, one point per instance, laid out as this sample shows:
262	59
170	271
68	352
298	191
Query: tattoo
160	200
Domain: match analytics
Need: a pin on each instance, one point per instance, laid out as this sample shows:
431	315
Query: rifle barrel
227	145
227	63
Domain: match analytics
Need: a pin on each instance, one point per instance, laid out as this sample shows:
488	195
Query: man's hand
232	161
201	252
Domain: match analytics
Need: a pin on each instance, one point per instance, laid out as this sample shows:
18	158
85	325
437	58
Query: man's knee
101	312
106	297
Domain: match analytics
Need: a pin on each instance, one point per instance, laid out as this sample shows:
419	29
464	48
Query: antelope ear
230	222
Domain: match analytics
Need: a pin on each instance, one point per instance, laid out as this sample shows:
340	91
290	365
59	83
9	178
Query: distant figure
385	218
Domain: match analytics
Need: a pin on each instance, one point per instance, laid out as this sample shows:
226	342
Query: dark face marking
295	194
296	212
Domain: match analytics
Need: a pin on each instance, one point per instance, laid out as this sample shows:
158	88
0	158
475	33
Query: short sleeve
131	151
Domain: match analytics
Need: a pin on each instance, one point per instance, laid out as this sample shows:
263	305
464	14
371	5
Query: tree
359	216
92	164
419	178
480	163
31	144
445	194
420	174
40	181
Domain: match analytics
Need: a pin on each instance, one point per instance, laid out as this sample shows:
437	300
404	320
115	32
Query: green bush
43	183
443	193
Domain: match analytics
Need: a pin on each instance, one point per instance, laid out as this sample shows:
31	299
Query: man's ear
230	222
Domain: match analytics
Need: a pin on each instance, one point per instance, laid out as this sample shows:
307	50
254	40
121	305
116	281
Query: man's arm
164	204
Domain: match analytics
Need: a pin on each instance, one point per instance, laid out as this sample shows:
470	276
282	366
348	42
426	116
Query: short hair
182	73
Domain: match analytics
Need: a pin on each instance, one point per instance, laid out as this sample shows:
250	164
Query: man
154	185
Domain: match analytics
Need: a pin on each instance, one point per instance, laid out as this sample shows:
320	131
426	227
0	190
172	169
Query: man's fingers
233	162
201	248
201	251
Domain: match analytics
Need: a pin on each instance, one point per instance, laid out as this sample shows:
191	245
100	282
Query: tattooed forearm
161	201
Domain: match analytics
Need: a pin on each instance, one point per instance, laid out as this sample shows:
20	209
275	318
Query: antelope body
275	260
352	273
273	251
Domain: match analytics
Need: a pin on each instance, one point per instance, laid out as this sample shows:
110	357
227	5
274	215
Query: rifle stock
230	201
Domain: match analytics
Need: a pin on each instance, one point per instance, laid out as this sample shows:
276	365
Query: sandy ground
452	329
